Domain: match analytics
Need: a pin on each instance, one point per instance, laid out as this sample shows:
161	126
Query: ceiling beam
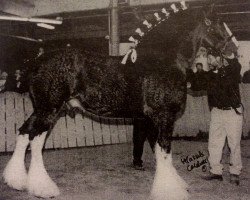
48	7
16	7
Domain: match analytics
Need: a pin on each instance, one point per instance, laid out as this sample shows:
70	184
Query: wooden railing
68	132
81	131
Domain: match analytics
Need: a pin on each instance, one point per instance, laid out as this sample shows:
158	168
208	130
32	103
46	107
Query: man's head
214	61
4	75
17	72
199	67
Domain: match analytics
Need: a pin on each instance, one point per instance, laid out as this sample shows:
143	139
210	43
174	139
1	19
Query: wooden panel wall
68	132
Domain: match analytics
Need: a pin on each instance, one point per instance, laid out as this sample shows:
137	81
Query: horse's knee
165	144
152	138
165	136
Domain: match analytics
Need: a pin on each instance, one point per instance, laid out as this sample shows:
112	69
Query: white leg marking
15	174
39	182
167	185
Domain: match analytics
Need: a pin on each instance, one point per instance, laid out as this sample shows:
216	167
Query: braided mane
166	38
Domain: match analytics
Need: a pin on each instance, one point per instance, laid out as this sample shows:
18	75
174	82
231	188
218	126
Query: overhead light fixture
47	21
45	26
58	20
21	37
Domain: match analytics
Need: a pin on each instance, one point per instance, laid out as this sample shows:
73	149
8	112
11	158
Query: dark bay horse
151	84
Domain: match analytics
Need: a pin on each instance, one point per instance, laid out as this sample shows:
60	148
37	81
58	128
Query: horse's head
215	36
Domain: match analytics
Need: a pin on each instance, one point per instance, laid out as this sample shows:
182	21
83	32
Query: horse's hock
81	131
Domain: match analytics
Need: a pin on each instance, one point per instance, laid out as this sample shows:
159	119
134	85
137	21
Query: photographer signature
195	161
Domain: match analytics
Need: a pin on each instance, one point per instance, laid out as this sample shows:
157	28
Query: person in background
199	67
40	52
24	82
3	79
143	130
222	85
246	76
18	78
11	83
197	78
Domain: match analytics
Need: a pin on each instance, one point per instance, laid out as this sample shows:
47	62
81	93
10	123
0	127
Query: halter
215	51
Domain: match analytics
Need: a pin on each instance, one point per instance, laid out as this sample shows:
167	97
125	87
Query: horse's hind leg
167	185
39	183
15	174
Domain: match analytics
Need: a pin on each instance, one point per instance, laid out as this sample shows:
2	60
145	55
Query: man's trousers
225	124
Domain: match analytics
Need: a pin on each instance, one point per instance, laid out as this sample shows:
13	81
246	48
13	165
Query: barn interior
89	23
92	159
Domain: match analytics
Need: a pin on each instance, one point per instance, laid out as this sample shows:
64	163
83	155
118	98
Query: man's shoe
138	165
213	177
234	179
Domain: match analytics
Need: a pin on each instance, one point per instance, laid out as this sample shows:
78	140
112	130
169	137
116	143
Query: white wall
244	55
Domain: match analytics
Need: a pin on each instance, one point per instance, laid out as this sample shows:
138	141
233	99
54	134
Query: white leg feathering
39	182
15	174
167	185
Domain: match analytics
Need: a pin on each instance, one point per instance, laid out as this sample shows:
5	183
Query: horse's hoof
44	191
42	186
19	183
15	176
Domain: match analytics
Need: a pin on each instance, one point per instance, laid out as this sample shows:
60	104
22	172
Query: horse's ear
211	9
138	14
208	11
204	14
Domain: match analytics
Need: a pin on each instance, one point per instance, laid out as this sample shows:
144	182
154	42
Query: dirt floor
105	173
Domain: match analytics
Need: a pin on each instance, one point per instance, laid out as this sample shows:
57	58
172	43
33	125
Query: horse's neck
188	47
174	42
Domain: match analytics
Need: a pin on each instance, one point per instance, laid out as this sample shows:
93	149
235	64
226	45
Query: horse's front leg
167	185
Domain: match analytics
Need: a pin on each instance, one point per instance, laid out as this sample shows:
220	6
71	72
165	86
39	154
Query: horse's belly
112	102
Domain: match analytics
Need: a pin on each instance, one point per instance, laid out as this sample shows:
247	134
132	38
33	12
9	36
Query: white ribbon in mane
133	56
